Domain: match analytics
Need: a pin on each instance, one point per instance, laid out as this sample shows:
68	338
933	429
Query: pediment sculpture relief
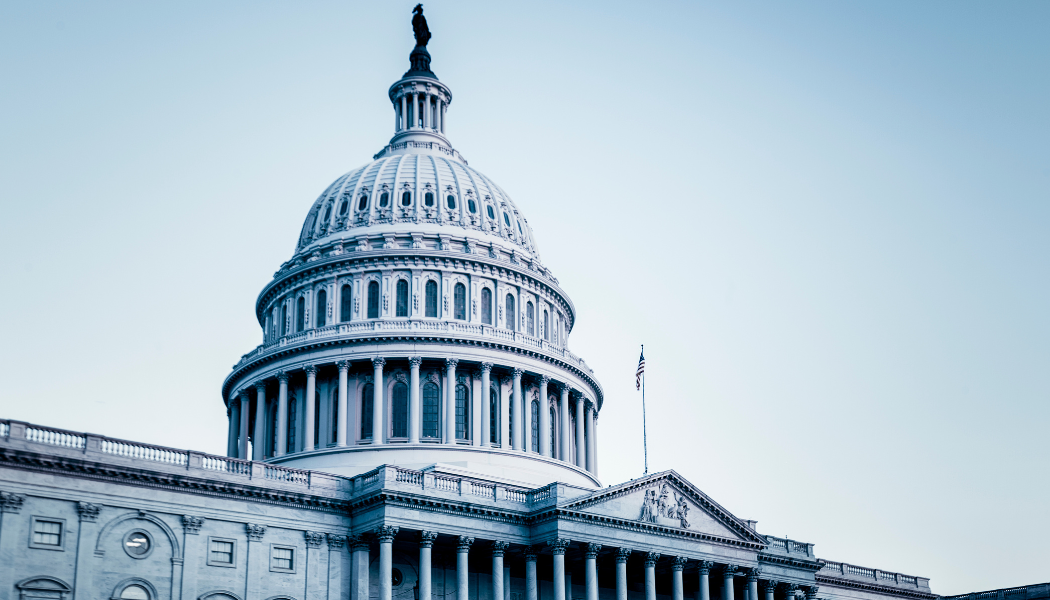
660	501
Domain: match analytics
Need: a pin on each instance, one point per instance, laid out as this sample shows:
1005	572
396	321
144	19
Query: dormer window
343	208
384	199
472	205
327	213
429	199
406	199
451	201
492	213
362	203
506	219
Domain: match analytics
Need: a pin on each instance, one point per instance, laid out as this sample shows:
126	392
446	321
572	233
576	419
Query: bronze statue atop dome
419	27
420	58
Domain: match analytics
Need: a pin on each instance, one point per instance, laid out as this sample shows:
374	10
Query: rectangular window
47	533
221	553
282	559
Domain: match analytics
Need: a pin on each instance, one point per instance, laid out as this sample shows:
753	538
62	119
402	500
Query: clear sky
827	222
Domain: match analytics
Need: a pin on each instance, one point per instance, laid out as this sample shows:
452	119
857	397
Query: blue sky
827	222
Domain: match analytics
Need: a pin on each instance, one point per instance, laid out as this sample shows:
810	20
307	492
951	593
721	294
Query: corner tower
415	324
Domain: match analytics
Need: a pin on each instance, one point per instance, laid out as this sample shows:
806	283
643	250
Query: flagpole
645	439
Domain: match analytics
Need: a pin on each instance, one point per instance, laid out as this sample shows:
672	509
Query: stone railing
789	546
873	576
401	326
391	477
1025	592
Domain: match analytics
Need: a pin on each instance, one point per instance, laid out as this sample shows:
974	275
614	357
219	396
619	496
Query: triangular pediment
666	500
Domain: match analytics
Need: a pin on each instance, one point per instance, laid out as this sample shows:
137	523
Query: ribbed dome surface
412	191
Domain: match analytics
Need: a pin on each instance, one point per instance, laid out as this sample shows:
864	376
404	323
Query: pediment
667	500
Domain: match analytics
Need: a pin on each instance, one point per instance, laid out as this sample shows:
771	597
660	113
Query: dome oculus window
451	201
362	203
492	213
384	200
138	544
406	199
428	199
472	206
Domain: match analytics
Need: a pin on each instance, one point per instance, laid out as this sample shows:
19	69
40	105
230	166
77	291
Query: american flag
640	371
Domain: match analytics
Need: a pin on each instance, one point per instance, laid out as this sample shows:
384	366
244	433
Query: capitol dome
415	325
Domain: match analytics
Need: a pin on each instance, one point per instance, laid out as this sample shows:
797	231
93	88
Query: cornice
42	463
789	561
869	587
415	502
399	336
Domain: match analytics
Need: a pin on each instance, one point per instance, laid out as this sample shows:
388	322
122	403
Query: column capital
486	367
729	571
243	395
517	373
463	543
545	379
499	547
426	538
753	574
260	385
361	540
530	553
678	563
622	554
559	545
191	524
314	539
704	567
790	588
385	533
282	377
769	585
336	541
255	532
311	370
344	366
651	558
810	591
378	362
88	512
450	363
415	361
592	550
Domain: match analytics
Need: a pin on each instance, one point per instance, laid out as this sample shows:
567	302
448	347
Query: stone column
728	572
498	548
450	400
650	574
359	569
231	432
622	555
256	559
752	583
519	414
308	437
462	568
677	591
385	534
486	403
282	414
532	584
591	571
414	411
704	569
259	435
428	117
581	436
594	442
558	550
769	587
545	418
426	545
340	432
589	426
440	115
563	416
404	113
378	422
336	544
242	443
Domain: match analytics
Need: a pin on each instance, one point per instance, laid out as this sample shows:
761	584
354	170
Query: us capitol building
412	427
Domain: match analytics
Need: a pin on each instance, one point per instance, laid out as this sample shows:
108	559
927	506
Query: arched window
428	199
554	427
399	416
384	199
317	421
506	219
432	298
459	295
402	298
346	299
486	306
530	318
284	319
406	199
293	424
373	299
492	213
334	415
300	313
472	205
272	418
343	208
431	410
520	230
546	325
494	415
322	308
367	397
510	423
451	201
512	315
362	203
462	413
535	426
134	592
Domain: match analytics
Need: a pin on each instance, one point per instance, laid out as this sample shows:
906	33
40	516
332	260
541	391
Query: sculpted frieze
661	502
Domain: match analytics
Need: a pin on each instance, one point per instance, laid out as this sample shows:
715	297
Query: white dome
418	191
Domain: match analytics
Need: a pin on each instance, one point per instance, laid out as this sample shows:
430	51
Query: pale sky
827	222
